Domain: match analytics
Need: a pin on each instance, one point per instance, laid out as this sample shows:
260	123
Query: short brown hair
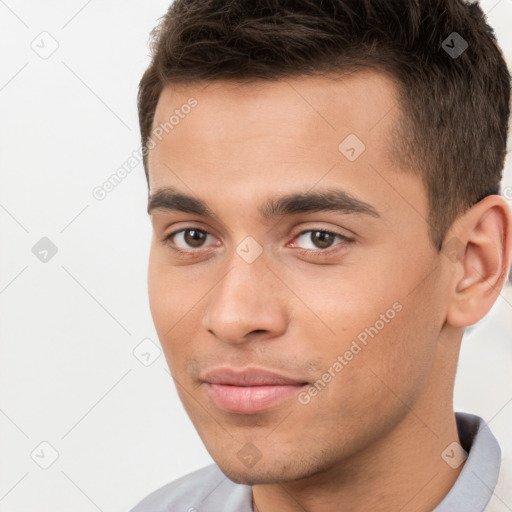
454	99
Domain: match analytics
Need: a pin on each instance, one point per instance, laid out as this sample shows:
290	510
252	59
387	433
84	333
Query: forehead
272	136
317	109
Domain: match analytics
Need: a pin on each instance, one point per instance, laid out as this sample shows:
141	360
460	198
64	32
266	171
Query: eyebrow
326	200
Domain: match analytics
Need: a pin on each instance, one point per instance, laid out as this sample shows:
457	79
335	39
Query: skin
372	438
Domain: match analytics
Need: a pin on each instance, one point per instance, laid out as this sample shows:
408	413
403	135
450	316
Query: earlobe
484	237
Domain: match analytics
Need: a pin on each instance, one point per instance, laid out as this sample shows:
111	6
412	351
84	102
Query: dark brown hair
454	99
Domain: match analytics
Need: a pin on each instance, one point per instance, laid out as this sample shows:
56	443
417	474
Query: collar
476	482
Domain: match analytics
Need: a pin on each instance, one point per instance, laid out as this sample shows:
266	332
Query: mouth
250	391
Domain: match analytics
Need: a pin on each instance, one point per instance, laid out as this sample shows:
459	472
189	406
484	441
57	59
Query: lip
249	391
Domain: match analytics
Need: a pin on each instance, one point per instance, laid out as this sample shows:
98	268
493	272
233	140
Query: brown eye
194	237
189	238
322	239
318	239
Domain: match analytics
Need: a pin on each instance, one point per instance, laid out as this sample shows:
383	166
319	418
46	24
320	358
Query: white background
69	326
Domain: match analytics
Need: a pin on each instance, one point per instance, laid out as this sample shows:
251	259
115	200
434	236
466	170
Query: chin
247	478
263	474
253	476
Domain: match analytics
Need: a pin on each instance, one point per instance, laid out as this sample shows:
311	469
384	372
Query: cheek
170	296
167	299
176	305
157	290
368	381
383	326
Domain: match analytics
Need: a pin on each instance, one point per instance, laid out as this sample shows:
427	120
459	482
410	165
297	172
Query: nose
249	302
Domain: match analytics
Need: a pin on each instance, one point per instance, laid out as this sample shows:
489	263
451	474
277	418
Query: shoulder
202	490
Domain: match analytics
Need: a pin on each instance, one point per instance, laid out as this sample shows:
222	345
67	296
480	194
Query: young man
324	193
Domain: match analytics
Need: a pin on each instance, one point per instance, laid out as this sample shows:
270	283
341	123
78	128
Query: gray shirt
209	490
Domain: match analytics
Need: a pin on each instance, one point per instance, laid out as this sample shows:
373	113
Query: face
295	291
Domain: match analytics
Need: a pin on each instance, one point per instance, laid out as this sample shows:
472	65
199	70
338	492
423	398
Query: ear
479	245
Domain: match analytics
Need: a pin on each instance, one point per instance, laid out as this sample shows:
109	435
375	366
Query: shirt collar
477	480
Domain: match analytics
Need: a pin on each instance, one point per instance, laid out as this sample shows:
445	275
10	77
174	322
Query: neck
402	471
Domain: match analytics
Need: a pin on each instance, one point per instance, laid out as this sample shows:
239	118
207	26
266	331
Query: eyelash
316	252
